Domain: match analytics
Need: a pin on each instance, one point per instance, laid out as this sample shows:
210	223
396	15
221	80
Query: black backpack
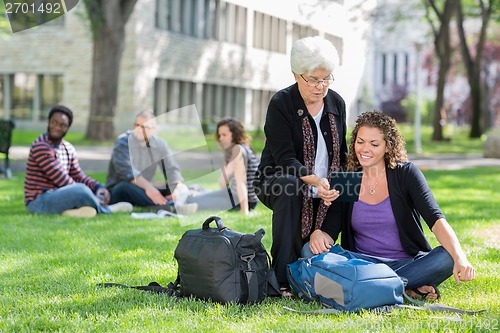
224	265
221	265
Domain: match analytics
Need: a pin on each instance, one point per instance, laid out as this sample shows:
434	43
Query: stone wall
63	48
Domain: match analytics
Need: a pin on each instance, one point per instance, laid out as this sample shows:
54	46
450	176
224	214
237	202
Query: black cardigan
283	150
410	198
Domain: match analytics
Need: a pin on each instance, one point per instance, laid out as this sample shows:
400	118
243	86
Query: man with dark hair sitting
55	183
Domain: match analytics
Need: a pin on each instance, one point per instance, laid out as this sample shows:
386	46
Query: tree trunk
108	49
487	116
475	94
443	52
108	19
473	66
437	134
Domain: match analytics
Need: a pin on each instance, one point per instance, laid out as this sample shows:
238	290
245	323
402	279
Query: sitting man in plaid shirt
55	183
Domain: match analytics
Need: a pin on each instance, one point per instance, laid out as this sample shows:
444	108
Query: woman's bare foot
429	293
286	291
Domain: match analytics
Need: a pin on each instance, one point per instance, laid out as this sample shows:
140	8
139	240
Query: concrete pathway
96	159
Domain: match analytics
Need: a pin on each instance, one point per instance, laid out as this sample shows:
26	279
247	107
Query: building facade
228	57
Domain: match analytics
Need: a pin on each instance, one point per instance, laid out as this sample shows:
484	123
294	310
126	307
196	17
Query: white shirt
321	160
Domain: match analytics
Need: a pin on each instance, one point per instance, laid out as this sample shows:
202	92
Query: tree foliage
4	22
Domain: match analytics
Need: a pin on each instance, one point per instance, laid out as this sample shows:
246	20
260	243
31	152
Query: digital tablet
348	184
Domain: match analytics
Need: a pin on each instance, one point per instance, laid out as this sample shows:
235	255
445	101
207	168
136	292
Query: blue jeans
426	268
132	193
64	198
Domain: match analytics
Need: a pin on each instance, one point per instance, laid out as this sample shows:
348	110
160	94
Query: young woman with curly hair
384	225
236	192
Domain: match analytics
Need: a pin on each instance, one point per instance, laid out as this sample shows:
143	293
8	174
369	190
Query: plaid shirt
52	167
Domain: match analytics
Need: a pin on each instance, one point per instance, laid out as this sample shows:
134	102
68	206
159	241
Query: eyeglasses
143	126
312	82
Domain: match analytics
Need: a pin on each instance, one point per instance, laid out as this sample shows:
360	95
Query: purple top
375	230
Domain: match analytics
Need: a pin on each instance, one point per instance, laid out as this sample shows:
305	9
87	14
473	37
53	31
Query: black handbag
223	265
219	264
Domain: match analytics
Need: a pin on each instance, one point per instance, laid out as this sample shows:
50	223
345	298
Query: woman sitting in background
240	164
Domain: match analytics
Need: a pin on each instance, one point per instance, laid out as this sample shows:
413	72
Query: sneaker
181	193
84	211
187	209
121	207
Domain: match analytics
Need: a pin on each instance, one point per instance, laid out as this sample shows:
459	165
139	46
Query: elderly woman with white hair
305	142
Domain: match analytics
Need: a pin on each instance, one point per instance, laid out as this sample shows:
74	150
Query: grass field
50	266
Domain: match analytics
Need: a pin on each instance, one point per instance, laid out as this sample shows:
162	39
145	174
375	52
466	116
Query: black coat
283	151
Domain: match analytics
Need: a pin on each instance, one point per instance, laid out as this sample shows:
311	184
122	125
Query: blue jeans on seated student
426	268
132	193
64	198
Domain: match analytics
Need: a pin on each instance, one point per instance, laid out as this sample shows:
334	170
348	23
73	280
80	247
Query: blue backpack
343	283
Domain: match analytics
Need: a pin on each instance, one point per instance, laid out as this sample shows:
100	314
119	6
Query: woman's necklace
372	188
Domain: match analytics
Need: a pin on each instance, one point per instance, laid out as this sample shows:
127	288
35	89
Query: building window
407	68
23	93
219	101
209	19
213	101
395	69
260	102
51	87
29	96
384	69
269	33
302	31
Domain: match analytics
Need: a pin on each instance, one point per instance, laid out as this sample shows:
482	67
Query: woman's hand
320	242
324	192
462	269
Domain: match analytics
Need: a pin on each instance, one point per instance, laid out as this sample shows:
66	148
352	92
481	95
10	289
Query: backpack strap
251	278
435	307
319	311
439	308
172	288
377	310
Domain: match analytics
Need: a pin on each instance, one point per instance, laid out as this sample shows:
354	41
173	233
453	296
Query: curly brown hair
396	152
237	130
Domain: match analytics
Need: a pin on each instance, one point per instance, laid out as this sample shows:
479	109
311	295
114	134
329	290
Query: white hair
312	53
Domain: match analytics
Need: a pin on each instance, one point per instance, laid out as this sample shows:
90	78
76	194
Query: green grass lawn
50	266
